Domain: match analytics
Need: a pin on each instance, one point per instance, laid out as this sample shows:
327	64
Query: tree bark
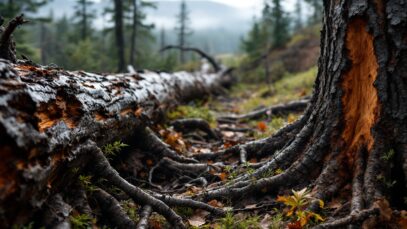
46	113
353	135
356	118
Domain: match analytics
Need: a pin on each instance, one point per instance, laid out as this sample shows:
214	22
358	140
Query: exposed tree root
102	168
280	109
56	213
158	202
78	199
112	209
144	215
153	144
351	219
183	125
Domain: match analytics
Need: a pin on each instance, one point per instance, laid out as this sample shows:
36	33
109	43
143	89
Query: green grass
289	88
192	111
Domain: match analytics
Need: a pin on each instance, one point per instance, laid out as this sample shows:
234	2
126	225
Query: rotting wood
45	112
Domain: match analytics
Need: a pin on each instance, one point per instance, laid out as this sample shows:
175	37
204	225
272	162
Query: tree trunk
133	40
354	133
352	137
118	18
46	113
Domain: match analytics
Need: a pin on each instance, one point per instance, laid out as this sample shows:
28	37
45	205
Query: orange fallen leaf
222	176
149	162
262	126
294	225
215	203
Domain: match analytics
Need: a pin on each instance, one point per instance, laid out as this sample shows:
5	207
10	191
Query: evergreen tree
256	40
183	28
119	34
280	24
84	16
298	16
139	29
10	9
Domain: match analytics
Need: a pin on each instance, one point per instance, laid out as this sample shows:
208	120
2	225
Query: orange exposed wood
360	100
61	109
100	117
126	111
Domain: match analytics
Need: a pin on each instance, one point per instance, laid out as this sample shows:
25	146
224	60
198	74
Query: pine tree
256	41
84	17
298	24
119	34
183	28
280	24
139	29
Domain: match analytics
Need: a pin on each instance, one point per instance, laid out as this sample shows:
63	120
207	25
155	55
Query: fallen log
46	114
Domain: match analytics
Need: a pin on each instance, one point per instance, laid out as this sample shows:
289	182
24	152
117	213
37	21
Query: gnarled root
112	209
144	215
182	125
280	109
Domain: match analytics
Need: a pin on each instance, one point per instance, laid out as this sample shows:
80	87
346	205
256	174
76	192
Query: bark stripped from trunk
45	113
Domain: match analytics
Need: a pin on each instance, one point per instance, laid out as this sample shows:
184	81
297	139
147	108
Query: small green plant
184	211
75	170
131	209
110	150
271	172
276	221
232	222
227	222
199	111
298	204
388	183
232	173
82	221
388	155
86	182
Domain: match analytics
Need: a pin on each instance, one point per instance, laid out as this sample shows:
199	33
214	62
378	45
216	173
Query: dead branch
203	54
184	125
7	45
280	109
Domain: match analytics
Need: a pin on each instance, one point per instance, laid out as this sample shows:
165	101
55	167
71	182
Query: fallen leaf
228	134
196	221
222	176
262	126
149	162
294	225
250	206
215	203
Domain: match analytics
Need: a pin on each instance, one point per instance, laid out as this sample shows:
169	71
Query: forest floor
258	211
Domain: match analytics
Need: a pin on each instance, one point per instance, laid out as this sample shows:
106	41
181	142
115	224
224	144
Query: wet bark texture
46	113
344	141
356	119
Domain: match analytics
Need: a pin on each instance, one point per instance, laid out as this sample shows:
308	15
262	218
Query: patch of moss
192	111
289	88
82	221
